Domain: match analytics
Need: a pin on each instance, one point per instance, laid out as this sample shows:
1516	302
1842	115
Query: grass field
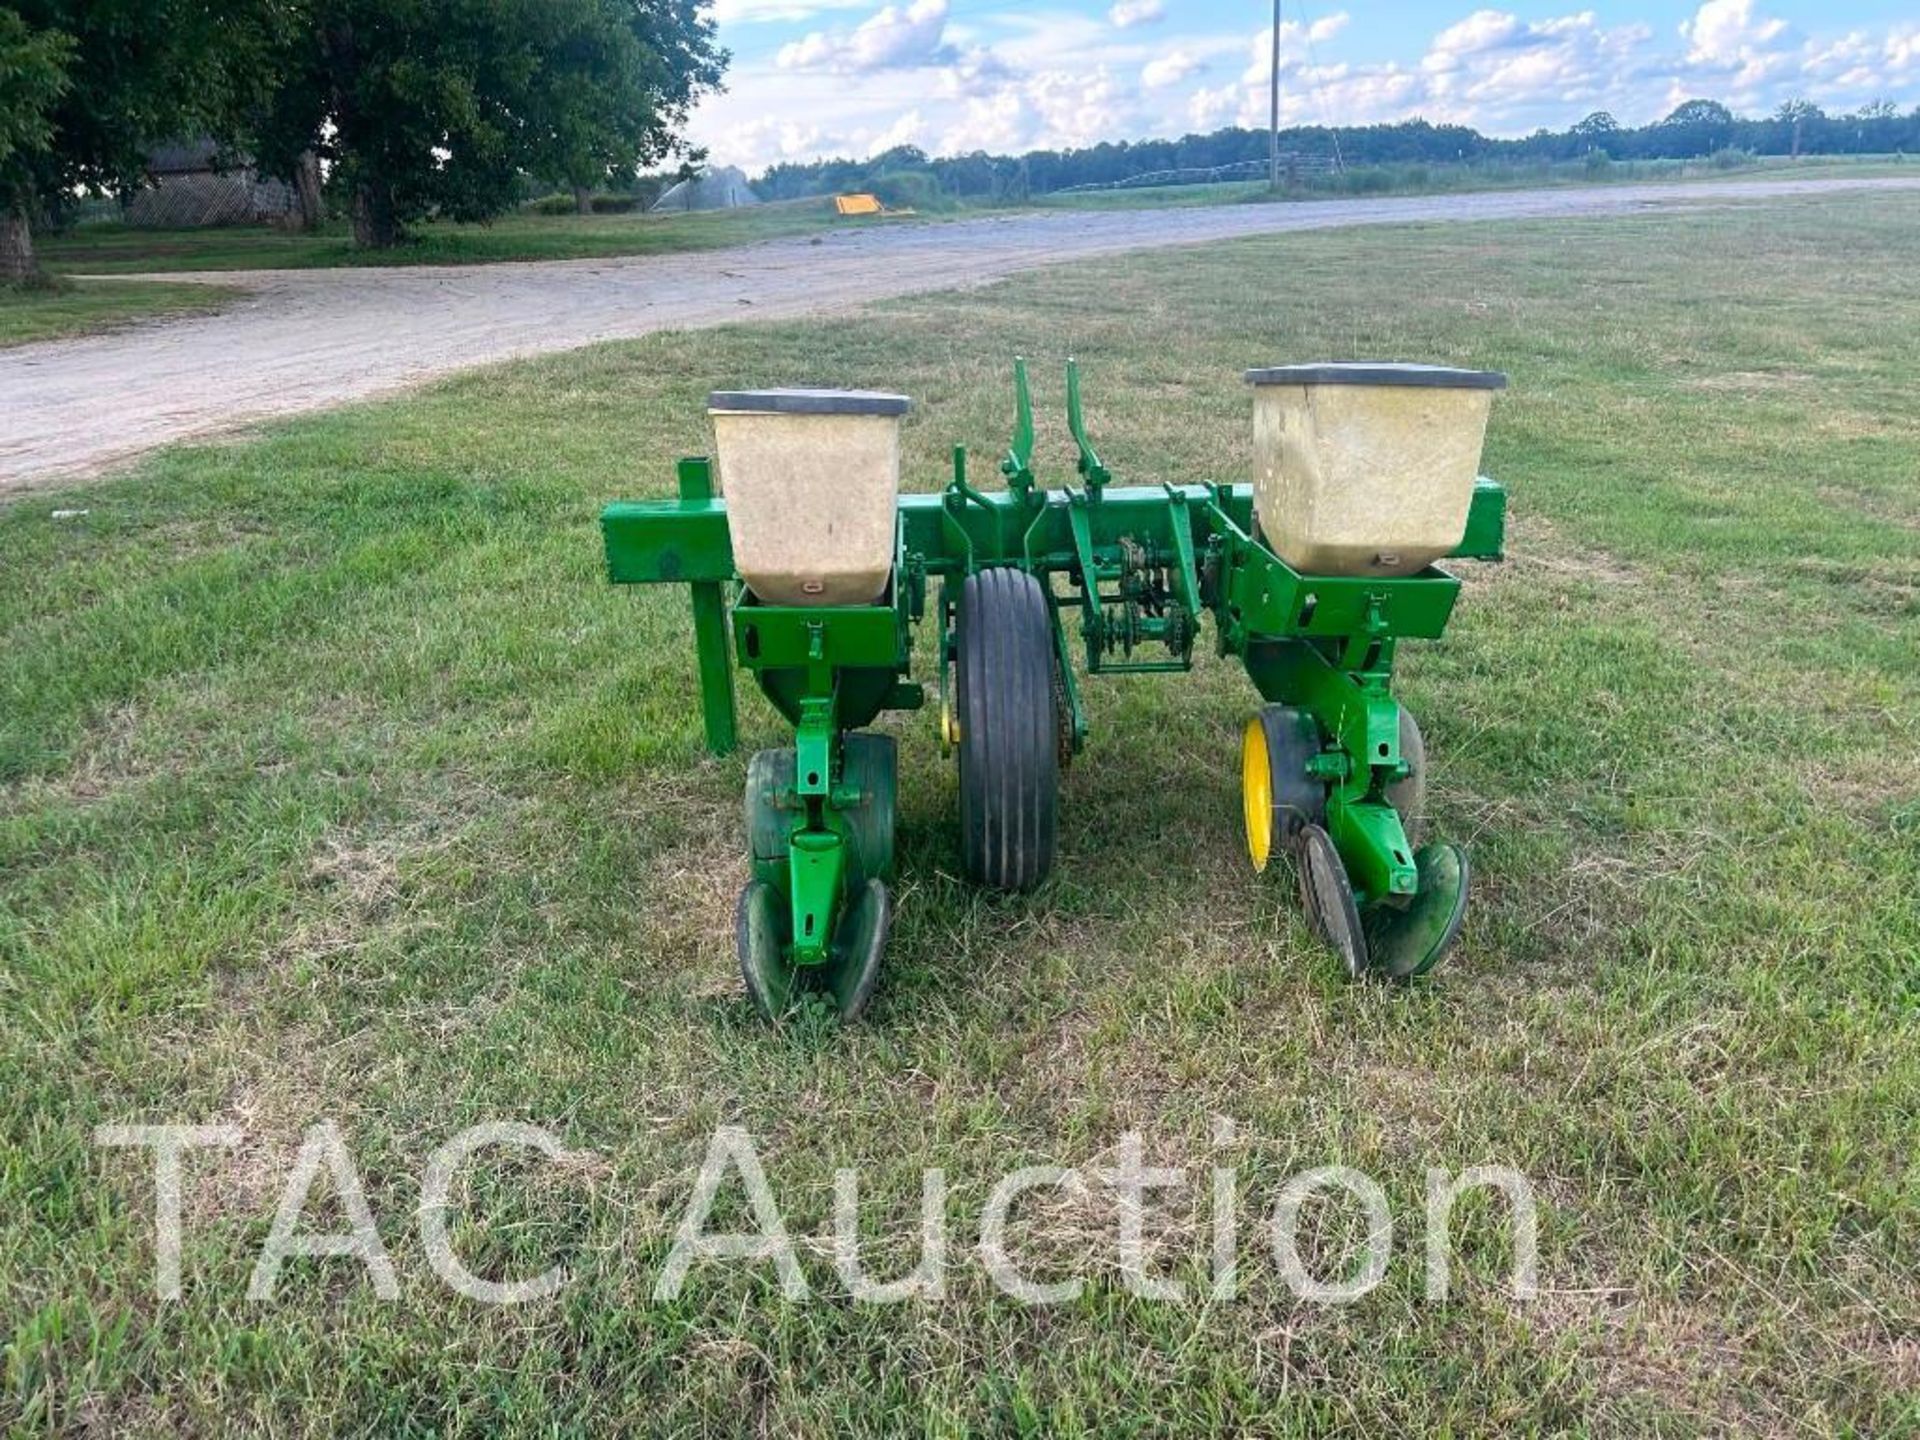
338	786
109	248
1414	179
81	308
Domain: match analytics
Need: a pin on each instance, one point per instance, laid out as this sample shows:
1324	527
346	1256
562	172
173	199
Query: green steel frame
1140	565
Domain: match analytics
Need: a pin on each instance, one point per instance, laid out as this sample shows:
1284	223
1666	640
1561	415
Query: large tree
86	86
1698	127
33	76
436	107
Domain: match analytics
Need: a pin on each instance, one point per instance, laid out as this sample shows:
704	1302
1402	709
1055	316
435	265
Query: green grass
107	247
1414	179
62	310
110	248
338	785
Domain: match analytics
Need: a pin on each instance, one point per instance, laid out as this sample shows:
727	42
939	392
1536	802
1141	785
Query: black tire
768	774
872	768
1009	732
1292	739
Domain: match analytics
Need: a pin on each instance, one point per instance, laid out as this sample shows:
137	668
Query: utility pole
1273	128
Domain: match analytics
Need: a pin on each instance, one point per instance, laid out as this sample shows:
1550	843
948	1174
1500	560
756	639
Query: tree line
415	107
1695	129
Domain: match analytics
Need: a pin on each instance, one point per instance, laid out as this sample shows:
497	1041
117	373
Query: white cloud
1210	110
761	12
1861	66
974	71
906	130
1076	108
1903	49
1735	54
1480	32
995	122
1296	42
1054	109
894	36
1727	32
1125	14
1009	79
1490	69
1170	69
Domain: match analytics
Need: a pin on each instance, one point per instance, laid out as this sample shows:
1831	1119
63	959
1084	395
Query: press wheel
1410	941
849	977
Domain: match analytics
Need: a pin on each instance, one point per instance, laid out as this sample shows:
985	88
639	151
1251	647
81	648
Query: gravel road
306	339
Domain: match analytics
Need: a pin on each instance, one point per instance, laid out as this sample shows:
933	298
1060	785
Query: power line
1320	90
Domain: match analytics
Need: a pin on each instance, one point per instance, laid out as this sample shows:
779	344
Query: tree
33	77
428	107
87	85
622	78
1696	127
1699	112
1795	116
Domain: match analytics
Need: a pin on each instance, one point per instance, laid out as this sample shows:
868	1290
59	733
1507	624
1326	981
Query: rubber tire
1292	739
1009	732
1409	796
768	773
872	765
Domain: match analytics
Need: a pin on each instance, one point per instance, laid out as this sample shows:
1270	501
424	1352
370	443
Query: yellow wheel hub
1256	792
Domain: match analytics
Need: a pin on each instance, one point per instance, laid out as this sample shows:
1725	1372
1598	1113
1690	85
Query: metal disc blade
763	961
857	949
1409	942
1327	897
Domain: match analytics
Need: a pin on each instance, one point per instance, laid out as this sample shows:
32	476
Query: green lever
1018	466
1091	470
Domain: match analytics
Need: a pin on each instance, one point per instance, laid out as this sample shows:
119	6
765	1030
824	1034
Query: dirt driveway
305	339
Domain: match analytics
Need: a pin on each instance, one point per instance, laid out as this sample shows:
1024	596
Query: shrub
909	190
602	202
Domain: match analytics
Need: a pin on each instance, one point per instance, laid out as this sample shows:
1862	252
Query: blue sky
852	77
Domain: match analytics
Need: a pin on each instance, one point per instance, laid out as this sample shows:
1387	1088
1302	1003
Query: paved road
306	339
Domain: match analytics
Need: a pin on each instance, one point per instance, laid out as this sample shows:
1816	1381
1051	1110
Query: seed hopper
813	571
